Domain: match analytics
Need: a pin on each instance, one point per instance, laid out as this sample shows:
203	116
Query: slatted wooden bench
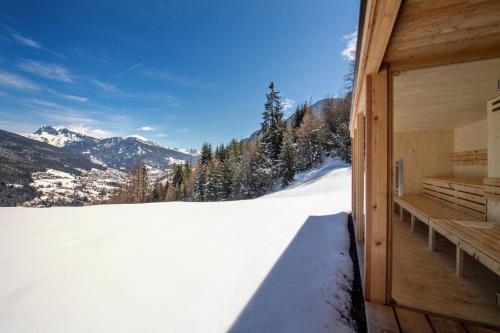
480	240
466	196
456	209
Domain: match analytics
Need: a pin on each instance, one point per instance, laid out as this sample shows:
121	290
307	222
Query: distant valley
55	165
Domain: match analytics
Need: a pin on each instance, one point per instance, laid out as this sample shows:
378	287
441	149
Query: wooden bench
456	209
480	240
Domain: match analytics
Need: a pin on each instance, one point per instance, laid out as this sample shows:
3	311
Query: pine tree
177	175
299	115
155	193
205	154
186	180
287	157
254	178
210	194
226	174
199	185
272	127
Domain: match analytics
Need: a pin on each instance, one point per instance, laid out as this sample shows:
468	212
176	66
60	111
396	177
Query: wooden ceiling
444	97
433	31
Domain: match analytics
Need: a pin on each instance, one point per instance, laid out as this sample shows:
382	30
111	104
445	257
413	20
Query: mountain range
120	153
58	166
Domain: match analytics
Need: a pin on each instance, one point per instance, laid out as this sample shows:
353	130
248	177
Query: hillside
21	156
317	107
279	263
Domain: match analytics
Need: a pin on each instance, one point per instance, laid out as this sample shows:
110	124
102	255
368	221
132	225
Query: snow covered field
279	263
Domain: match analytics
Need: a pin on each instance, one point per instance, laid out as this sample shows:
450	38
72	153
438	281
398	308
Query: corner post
377	178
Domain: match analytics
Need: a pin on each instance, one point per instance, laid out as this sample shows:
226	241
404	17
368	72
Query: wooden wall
493	180
471	137
425	154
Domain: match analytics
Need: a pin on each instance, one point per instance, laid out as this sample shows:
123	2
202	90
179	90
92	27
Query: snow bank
279	263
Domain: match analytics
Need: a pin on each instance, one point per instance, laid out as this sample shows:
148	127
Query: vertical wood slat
360	160
354	164
377	186
368	196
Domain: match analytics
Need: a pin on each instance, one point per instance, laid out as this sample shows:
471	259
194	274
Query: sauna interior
446	190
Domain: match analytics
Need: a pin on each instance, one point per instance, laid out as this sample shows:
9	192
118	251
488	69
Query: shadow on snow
301	292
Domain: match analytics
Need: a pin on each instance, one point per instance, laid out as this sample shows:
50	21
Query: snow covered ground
279	263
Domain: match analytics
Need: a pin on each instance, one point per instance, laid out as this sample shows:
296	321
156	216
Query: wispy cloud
349	53
165	75
68	97
12	80
26	41
105	86
147	129
29	42
46	70
126	71
288	104
87	130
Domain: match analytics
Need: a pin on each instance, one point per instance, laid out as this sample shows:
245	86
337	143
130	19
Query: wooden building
425	125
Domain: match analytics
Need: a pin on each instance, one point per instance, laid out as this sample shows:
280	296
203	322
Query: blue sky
177	72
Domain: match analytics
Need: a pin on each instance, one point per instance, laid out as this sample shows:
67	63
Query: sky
177	72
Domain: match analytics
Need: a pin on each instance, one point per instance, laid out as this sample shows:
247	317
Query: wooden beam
379	22
377	204
386	12
472	54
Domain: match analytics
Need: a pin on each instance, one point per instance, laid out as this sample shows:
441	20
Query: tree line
244	169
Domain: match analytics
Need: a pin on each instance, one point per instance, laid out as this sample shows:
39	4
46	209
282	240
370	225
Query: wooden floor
394	319
425	279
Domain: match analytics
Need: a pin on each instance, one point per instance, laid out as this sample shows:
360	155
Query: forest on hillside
244	169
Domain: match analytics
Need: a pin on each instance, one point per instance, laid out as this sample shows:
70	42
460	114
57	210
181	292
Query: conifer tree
255	178
199	185
155	193
287	156
205	154
226	174
186	180
299	115
272	127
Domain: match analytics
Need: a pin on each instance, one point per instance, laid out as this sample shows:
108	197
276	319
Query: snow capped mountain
67	167
58	136
120	153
